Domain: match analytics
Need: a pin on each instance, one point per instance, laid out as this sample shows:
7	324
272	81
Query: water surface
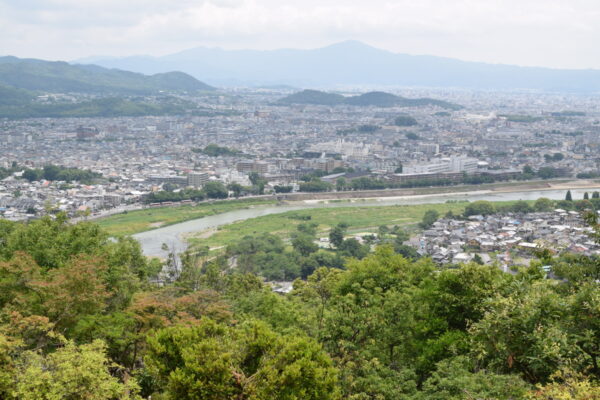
152	241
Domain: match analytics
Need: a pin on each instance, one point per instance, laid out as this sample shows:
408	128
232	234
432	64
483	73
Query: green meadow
359	219
136	221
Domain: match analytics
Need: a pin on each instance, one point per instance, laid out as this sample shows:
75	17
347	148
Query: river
152	241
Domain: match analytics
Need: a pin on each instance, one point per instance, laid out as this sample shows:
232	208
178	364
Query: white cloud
561	33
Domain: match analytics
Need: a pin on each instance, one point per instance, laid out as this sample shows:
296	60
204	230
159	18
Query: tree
352	248
213	361
543	204
215	190
398	169
318	288
265	255
8	348
308	228
583	205
527	170
169	187
33	174
454	379
401	235
480	207
236	188
429	218
340	184
74	291
542	345
51	172
596	195
214	150
315	185
521	207
548	172
304	244
191	268
406	251
569	197
336	234
586	196
382	231
283	189
71	372
405	120
255	178
566	384
368	128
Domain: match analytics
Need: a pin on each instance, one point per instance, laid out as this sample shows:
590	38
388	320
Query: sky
550	33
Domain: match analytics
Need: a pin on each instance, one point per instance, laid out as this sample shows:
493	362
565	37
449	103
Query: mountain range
378	99
61	77
115	92
352	63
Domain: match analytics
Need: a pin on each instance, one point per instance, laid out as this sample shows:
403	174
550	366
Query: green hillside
103	107
13	96
313	97
61	77
378	99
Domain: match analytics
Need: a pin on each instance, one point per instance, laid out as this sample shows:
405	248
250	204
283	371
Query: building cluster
495	135
506	238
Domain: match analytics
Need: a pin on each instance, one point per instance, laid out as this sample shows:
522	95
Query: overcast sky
553	33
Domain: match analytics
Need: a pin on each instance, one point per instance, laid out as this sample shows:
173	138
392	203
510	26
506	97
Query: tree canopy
83	316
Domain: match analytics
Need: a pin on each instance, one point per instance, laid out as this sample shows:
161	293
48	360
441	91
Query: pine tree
596	195
569	197
586	196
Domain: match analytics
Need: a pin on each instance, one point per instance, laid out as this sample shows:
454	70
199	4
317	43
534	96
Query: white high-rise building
197	179
451	164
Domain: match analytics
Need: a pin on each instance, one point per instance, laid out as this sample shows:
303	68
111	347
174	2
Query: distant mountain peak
352	63
350	44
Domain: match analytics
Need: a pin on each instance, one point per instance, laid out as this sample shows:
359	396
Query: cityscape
490	138
285	200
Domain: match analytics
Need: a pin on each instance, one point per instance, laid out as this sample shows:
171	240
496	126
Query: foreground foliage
80	319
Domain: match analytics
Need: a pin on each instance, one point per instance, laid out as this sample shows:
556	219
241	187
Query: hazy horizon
554	34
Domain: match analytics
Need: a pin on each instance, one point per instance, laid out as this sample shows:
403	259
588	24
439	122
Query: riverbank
176	235
358	218
131	222
503	187
145	219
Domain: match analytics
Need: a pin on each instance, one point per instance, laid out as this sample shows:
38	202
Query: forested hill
61	77
13	96
99	92
109	107
379	99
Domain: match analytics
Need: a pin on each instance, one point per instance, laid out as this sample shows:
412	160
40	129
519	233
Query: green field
359	219
147	219
151	218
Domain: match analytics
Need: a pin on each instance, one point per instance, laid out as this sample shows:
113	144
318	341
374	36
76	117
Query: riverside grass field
359	219
132	222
